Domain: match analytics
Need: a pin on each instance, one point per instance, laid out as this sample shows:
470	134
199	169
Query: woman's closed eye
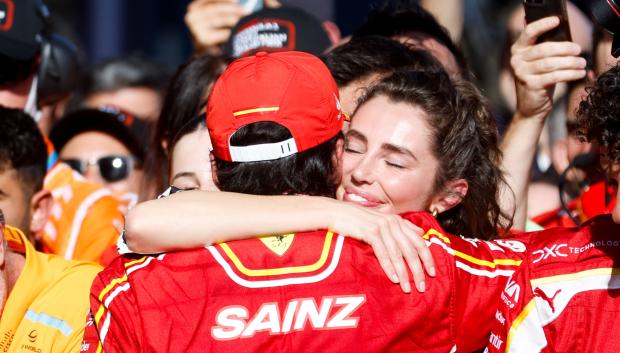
394	164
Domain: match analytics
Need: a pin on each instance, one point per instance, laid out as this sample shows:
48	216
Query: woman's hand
393	239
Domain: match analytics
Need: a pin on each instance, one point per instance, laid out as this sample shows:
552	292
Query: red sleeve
516	326
116	325
482	271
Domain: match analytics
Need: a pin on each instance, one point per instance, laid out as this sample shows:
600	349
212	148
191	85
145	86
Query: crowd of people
317	193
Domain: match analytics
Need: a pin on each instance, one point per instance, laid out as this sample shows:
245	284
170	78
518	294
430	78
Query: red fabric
201	301
293	89
591	203
566	295
109	255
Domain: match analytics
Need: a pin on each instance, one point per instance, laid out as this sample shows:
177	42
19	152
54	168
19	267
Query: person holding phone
568	286
538	68
210	21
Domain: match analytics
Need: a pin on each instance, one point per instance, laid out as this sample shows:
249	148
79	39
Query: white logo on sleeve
556	250
511	293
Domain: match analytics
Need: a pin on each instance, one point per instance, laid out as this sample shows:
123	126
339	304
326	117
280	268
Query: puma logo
541	294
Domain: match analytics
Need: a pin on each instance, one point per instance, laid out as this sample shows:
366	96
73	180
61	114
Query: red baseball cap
293	89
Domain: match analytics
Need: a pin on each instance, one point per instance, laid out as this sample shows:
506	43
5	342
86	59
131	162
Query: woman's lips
361	199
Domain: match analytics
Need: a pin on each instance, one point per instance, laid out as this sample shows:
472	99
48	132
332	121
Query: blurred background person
283	28
34	286
23	164
43	297
181	127
358	63
85	218
107	147
409	23
133	84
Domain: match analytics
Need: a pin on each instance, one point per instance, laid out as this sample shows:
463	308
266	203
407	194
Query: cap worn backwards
292	89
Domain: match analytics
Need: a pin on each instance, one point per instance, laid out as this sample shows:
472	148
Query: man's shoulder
595	243
54	319
66	278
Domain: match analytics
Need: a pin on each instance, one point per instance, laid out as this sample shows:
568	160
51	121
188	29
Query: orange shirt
45	310
86	218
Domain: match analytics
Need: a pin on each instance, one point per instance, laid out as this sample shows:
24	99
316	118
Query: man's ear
559	156
453	193
40	209
214	170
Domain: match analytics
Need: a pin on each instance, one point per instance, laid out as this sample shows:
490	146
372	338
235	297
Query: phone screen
251	5
537	9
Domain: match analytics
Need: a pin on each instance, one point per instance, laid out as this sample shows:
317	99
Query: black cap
21	21
131	131
607	14
277	29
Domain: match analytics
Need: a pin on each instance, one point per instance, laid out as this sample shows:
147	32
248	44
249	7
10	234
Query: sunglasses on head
111	168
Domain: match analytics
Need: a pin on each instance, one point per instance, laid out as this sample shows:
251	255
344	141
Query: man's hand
210	23
539	67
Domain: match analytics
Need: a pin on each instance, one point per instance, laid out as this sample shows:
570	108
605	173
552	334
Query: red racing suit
565	297
598	198
305	292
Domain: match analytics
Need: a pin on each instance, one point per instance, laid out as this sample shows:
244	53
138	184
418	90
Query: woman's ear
453	193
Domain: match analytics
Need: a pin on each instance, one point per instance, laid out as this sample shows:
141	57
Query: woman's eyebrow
398	149
356	134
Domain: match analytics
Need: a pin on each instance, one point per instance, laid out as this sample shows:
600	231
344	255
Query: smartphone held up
538	9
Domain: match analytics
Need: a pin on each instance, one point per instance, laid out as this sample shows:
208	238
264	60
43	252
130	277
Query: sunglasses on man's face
111	168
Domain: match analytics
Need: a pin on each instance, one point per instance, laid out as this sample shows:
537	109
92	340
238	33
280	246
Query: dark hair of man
15	71
23	149
311	172
118	73
365	56
464	141
408	18
599	116
186	95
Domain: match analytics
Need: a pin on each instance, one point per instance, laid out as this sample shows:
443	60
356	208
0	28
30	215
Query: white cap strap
263	152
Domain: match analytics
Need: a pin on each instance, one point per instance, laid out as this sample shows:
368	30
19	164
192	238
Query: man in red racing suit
568	289
566	293
307	292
